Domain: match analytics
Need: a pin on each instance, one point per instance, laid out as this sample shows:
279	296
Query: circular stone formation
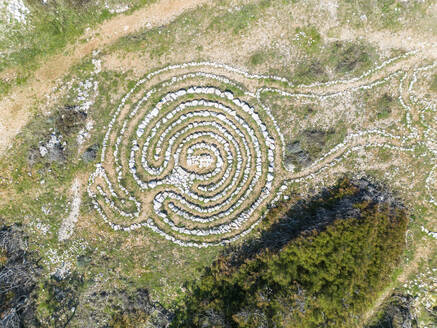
190	155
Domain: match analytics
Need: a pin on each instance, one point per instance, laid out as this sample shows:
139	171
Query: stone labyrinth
193	154
199	150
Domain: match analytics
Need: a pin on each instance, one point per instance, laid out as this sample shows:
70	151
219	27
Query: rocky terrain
142	142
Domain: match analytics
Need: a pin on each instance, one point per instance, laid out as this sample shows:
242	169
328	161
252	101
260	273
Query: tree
334	253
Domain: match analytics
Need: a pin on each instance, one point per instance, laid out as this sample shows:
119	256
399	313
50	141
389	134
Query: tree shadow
314	213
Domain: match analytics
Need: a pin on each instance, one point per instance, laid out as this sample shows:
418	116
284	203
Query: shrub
308	72
337	251
350	57
384	106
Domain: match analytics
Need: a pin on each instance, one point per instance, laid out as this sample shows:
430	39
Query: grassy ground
49	28
263	37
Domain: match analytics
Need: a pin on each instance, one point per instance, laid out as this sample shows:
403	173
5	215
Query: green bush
347	57
384	106
258	58
310	71
326	275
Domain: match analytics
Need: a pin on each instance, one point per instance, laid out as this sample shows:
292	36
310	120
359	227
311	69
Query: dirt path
425	43
422	253
16	109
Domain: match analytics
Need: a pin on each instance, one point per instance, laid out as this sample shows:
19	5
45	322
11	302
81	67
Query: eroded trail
408	40
16	109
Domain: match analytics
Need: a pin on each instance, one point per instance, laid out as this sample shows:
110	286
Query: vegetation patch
384	105
308	147
307	72
329	259
347	57
240	18
433	85
308	39
58	299
322	59
170	138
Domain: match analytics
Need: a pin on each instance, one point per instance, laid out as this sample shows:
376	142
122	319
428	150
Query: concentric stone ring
190	155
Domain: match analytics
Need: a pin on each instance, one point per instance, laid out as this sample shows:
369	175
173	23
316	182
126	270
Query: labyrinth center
189	155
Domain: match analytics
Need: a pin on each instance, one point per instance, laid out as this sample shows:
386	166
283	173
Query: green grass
261	57
154	263
385	154
351	57
159	41
51	28
240	18
384	106
433	85
308	39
